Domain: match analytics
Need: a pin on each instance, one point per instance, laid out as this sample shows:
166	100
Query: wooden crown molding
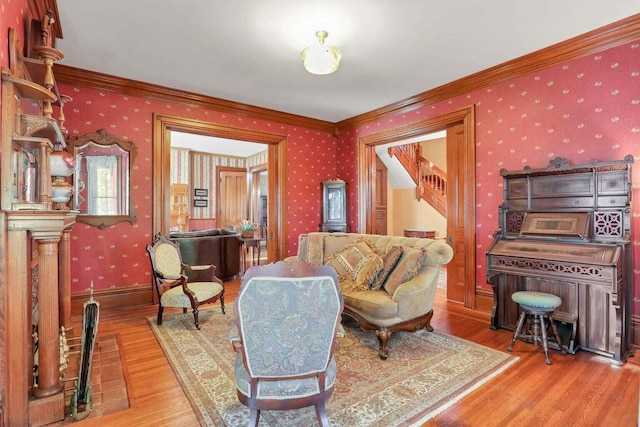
95	80
603	38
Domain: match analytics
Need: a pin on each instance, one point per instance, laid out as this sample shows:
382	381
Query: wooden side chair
172	284
287	318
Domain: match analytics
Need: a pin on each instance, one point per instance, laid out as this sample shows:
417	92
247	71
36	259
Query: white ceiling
249	51
220	146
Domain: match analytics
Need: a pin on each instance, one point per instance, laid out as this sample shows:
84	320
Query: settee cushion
388	263
373	304
358	262
406	269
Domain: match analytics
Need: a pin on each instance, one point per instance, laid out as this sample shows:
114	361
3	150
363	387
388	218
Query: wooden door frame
253	200
366	178
277	213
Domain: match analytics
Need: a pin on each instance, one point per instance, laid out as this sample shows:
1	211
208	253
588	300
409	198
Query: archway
461	196
277	150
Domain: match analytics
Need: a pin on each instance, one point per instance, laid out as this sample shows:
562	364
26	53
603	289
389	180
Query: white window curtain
102	177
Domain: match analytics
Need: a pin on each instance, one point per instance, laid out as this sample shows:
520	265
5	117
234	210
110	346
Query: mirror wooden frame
102	137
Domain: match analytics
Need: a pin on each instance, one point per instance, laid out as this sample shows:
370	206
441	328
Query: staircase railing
430	180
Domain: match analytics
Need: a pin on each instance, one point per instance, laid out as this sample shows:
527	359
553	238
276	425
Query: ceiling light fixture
321	59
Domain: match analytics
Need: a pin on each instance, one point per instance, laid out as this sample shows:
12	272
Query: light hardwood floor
576	390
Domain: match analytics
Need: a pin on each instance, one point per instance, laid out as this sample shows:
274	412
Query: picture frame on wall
200	192
200	203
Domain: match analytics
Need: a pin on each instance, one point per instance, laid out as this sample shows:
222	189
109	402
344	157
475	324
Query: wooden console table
255	243
426	234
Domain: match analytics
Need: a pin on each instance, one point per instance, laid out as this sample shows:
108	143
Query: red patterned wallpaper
116	256
585	109
14	14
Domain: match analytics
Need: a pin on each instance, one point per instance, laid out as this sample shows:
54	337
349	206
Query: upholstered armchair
171	282
287	318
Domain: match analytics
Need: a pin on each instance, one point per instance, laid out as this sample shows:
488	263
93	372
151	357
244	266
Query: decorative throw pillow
334	243
357	261
315	249
388	263
408	266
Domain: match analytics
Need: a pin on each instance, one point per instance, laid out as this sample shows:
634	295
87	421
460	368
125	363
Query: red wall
13	14
116	256
585	109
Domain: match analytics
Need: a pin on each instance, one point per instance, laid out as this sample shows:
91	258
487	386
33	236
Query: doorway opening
403	206
276	165
460	130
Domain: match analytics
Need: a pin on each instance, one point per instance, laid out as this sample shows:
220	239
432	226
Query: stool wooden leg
523	315
554	328
545	343
535	329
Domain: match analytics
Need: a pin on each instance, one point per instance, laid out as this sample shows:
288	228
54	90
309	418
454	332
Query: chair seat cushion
536	300
175	297
283	388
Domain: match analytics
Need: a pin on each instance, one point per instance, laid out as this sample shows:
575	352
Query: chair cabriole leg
195	318
160	310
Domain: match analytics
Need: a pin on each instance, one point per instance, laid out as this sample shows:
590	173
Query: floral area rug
426	372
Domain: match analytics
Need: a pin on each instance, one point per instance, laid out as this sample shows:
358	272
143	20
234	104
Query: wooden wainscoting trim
114	298
484	300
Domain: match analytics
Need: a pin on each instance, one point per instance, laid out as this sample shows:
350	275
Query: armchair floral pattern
287	318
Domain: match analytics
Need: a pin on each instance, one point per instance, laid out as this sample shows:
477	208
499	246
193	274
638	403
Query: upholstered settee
388	282
217	246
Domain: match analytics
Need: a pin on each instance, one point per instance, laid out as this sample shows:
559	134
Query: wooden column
64	279
18	330
49	382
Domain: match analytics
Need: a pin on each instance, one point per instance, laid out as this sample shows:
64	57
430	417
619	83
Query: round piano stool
538	306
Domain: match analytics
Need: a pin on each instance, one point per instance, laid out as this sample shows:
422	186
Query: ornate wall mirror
102	190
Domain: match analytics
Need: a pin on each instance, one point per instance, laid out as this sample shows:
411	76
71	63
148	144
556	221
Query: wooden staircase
431	181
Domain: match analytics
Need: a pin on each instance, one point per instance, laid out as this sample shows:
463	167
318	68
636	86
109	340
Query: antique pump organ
566	230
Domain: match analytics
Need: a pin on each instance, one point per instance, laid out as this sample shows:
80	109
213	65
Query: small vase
61	193
62	163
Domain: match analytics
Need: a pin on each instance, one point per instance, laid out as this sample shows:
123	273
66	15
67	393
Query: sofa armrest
415	297
438	253
292	258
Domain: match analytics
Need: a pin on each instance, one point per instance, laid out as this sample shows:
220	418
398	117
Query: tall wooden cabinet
334	206
179	213
35	281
